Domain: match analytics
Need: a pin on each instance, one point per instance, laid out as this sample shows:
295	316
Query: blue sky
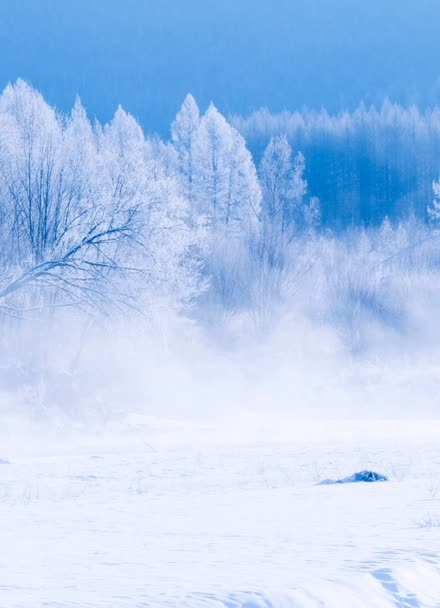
242	54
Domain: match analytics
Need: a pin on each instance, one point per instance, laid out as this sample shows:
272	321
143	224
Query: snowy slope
135	520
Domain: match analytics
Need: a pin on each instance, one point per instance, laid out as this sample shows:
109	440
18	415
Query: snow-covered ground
139	519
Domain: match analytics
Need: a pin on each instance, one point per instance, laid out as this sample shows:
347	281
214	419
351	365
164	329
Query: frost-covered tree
276	175
64	231
288	221
183	134
434	208
228	194
226	184
312	214
35	189
283	185
285	213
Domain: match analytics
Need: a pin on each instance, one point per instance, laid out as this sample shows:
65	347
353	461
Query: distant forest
364	165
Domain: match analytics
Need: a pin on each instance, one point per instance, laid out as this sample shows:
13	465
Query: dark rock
362	476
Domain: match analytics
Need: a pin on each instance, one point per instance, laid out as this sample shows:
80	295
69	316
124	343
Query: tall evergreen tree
226	183
183	133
